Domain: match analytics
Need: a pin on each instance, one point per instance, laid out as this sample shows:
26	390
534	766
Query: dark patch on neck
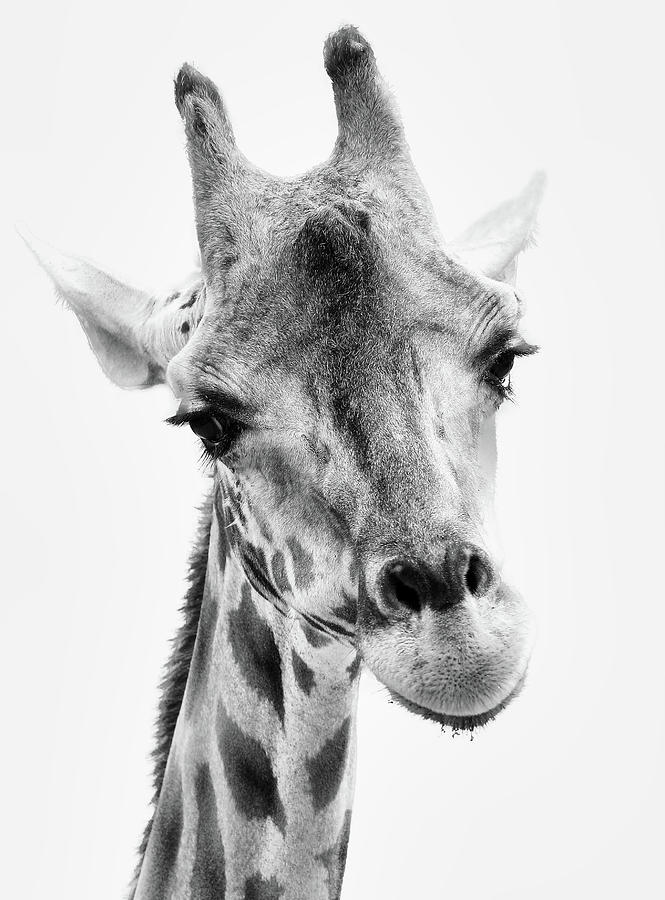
209	873
315	637
326	769
255	566
279	575
304	675
255	651
348	610
251	558
353	667
177	669
259	888
164	840
334	859
303	563
249	772
328	626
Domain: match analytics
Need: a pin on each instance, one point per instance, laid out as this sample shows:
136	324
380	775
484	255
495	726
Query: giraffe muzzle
449	639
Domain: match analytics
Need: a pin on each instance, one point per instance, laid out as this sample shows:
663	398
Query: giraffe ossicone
342	366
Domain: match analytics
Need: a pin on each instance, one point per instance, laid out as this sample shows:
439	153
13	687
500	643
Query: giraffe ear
492	244
133	334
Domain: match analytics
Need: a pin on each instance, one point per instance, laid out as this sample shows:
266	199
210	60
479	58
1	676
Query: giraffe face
344	369
350	378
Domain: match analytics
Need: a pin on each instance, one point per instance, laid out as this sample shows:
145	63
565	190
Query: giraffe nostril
402	586
478	575
473	576
408	585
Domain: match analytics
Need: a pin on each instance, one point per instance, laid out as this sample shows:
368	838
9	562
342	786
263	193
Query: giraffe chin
457	722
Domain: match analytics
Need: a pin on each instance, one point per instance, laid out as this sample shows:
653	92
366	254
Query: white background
563	795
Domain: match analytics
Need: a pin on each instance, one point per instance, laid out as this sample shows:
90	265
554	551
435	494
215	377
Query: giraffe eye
208	428
217	430
502	365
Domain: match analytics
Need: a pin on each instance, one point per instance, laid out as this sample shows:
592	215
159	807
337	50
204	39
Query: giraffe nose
409	584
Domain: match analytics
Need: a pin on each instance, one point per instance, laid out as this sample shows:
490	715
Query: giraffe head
343	368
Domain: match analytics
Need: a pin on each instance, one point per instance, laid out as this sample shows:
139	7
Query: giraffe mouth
459	723
459	666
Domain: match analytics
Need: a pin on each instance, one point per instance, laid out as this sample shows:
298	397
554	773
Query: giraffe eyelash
503	385
503	389
182	418
207	460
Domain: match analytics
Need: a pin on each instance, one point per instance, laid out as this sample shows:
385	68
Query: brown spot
249	772
279	575
315	637
209	874
304	675
255	651
259	888
354	667
303	563
326	769
348	610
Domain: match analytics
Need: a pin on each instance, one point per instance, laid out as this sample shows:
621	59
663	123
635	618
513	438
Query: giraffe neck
256	798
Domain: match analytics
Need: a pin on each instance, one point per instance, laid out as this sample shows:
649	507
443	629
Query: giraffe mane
176	670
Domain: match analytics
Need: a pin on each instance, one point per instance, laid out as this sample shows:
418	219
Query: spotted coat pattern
257	793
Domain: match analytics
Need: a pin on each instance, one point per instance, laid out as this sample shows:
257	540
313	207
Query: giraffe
342	367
